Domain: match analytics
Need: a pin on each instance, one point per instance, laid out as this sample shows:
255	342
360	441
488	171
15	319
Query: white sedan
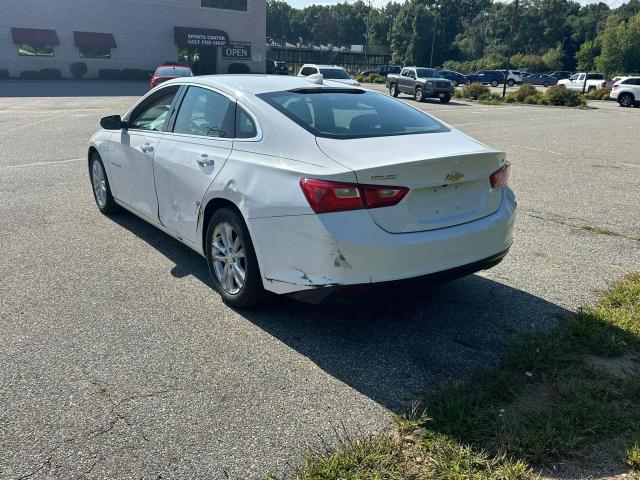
304	187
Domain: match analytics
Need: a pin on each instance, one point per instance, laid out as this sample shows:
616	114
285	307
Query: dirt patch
618	367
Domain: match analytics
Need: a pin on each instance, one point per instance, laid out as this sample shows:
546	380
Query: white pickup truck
595	81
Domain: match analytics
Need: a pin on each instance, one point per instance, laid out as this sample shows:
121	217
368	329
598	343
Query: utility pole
433	39
593	41
506	70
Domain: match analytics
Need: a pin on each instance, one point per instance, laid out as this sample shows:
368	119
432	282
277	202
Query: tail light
603	85
615	86
325	196
501	176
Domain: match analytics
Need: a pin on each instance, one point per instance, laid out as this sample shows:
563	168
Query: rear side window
205	113
306	71
631	81
245	126
345	114
334	73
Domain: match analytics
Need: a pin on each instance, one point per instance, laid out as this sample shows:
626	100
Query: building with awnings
213	35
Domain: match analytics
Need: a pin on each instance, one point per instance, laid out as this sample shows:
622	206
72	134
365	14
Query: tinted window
595	76
347	114
173	72
427	73
152	115
245	126
334	73
306	71
205	113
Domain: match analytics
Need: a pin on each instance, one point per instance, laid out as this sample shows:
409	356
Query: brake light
325	196
615	86
603	85
501	176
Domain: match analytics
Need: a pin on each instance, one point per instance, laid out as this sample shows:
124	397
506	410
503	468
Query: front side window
334	74
205	113
86	52
226	4
28	50
152	116
345	114
428	73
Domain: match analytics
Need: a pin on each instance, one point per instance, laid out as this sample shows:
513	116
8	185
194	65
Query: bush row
372	78
78	70
556	95
43	74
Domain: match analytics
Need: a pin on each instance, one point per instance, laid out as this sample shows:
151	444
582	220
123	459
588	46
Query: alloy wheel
99	183
626	101
228	255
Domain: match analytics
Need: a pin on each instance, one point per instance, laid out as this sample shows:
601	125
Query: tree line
473	34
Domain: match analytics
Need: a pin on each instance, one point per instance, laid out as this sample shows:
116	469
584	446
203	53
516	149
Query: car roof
321	66
173	66
256	83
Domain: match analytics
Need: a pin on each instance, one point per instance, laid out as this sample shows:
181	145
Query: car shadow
71	88
396	348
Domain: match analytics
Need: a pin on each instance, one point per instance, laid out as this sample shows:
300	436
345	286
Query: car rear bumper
308	252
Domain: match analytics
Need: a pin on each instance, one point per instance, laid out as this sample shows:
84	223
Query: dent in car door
188	159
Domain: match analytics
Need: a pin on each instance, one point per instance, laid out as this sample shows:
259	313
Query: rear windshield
173	72
345	114
334	73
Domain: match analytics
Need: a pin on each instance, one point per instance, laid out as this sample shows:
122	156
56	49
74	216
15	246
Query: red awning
94	40
34	36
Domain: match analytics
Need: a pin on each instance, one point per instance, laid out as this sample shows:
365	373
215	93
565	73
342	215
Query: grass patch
556	395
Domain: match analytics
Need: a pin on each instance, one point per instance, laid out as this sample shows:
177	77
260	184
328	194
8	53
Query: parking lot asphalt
117	360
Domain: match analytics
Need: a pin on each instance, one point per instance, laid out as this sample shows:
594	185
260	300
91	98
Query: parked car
595	81
513	77
329	72
280	67
539	79
454	77
304	187
382	70
421	83
167	72
561	74
271	67
626	91
487	77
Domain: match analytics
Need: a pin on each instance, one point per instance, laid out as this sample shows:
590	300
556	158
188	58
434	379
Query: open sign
237	51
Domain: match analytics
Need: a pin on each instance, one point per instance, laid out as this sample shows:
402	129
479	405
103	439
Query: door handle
147	148
204	160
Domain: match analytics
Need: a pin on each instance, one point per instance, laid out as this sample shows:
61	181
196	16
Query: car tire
510	83
228	237
494	83
454	83
545	84
626	100
446	99
418	96
100	186
393	90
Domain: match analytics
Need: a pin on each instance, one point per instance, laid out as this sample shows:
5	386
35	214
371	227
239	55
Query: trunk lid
447	174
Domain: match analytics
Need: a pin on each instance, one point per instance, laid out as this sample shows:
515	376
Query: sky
379	3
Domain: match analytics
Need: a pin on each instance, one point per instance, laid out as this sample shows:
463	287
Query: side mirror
113	122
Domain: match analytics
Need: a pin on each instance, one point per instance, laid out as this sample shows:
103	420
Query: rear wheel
510	82
101	188
418	95
545	84
591	89
455	83
393	90
626	100
232	260
445	99
494	83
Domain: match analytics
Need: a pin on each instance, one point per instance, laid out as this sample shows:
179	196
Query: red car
167	72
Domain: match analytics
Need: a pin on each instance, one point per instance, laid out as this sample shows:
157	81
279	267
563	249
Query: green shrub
559	95
535	99
457	93
30	75
601	94
526	90
475	90
109	74
78	70
50	74
134	74
490	99
4	74
511	98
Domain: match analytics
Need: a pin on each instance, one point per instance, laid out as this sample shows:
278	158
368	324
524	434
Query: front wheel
545	84
232	261
393	90
455	83
494	83
101	188
445	99
418	96
626	100
511	83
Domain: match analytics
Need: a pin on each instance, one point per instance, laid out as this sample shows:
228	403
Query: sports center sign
200	37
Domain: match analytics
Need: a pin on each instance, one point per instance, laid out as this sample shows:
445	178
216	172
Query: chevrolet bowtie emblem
454	176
